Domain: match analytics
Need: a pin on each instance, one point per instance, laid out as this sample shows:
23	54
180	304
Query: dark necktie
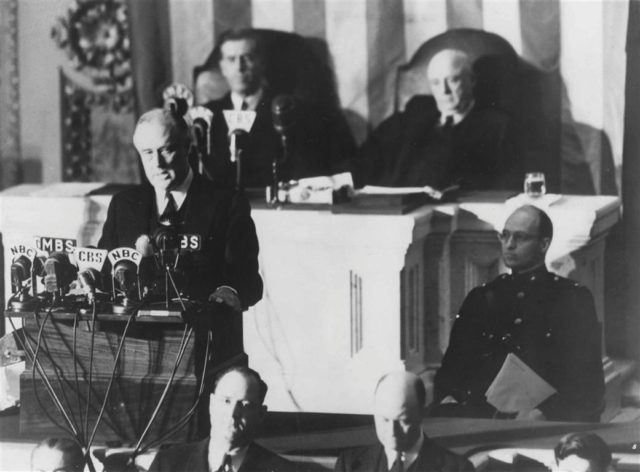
448	123
398	464
226	464
170	213
244	105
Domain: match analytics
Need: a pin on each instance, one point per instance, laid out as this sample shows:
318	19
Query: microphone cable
182	422
75	371
113	373
90	378
186	336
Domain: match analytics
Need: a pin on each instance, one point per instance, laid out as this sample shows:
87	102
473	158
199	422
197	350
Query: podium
63	343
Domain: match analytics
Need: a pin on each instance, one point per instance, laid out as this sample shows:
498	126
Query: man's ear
544	244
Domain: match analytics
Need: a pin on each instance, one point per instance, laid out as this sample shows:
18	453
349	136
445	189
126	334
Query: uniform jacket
432	458
229	254
413	149
321	144
192	457
547	321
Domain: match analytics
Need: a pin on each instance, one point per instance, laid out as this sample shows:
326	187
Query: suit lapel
373	460
198	461
200	207
429	458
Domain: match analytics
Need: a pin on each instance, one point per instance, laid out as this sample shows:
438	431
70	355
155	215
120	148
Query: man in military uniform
547	321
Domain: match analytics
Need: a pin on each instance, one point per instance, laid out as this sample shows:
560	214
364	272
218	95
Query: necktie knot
244	105
170	213
398	463
226	464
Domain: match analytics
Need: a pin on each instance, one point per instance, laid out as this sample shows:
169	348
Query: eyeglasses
517	237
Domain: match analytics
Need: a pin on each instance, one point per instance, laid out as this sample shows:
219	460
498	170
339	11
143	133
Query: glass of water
534	184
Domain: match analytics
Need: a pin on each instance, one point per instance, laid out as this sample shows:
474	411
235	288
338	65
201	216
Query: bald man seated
403	446
441	140
548	322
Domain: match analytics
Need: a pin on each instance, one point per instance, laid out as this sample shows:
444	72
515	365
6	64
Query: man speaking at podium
224	272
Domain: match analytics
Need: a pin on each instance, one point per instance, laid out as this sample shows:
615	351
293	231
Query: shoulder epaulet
565	282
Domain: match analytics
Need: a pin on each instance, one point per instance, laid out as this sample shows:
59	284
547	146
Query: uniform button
556	278
457	315
533	277
517	321
520	295
548	335
491	336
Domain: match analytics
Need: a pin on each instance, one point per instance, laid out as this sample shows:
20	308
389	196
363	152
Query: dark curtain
631	181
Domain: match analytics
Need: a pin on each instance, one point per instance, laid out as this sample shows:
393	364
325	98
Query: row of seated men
237	410
438	141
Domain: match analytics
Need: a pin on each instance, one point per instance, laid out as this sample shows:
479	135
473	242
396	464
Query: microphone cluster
119	280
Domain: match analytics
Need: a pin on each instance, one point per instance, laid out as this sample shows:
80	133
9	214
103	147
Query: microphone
20	271
165	239
177	98
124	273
283	114
59	272
201	118
238	141
147	269
89	280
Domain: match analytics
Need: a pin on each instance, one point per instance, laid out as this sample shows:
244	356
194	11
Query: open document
517	387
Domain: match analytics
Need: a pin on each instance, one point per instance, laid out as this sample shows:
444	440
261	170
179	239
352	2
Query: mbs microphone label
48	244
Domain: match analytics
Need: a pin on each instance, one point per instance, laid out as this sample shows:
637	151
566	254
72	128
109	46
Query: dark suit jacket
412	149
229	254
321	144
431	458
549	322
192	457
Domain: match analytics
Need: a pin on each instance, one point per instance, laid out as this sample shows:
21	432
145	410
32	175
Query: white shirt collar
252	100
408	457
457	116
179	193
216	457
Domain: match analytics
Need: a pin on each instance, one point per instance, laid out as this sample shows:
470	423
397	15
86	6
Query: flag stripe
190	45
272	14
423	20
503	18
347	41
385	32
464	14
309	18
230	14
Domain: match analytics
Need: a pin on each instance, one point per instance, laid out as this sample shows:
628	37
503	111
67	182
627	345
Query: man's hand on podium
228	296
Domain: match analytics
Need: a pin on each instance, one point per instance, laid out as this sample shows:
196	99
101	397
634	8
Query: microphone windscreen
143	245
20	271
178	106
166	239
90	279
59	272
283	113
125	274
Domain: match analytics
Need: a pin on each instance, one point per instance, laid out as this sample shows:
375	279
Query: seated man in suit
582	452
398	413
442	142
547	321
223	274
320	143
236	410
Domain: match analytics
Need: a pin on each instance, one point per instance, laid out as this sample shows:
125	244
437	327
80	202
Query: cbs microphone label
238	119
127	253
90	258
190	242
18	250
47	244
